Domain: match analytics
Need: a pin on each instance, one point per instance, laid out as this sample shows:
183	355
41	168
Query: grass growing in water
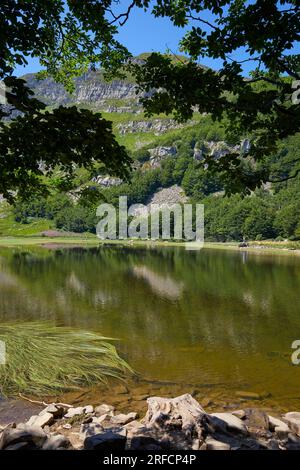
41	359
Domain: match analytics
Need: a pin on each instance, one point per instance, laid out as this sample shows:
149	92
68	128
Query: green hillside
164	154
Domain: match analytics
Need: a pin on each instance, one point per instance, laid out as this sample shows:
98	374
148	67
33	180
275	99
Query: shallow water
213	321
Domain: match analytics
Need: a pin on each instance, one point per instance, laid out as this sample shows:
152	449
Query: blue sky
141	33
144	33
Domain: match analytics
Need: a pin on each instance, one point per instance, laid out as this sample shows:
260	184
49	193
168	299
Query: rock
239	413
88	419
273	445
145	443
196	444
257	419
122	419
121	390
90	429
74	412
107	441
41	420
104	410
206	402
19	446
134	426
293	420
31	420
279	427
252	395
141	397
56	442
101	419
23	433
67	426
88	409
293	442
227	421
56	410
213	444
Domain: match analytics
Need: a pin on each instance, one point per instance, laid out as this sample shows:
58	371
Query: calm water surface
216	319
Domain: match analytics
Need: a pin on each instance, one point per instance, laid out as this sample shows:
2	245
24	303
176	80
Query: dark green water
222	319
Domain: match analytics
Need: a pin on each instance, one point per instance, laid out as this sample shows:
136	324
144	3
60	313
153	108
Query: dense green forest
271	212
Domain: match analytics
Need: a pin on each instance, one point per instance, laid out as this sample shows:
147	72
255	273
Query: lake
213	321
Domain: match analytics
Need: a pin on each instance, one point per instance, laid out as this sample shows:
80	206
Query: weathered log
182	413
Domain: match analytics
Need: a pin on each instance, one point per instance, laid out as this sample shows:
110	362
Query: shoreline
254	247
179	423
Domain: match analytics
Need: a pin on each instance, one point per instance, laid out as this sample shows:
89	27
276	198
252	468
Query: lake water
213	320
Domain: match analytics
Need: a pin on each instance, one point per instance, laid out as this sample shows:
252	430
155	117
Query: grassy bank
288	248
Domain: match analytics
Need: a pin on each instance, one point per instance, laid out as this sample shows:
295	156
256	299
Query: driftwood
182	413
65	405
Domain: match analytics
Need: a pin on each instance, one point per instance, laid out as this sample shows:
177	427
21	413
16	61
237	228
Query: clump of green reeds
42	359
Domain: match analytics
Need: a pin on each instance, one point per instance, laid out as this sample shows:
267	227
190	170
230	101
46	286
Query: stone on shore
257	419
293	420
214	444
239	413
56	410
227	421
56	442
108	441
279	427
123	419
90	429
41	420
23	433
104	410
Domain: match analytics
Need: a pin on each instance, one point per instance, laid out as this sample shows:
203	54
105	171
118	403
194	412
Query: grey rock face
157	154
107	181
157	126
89	88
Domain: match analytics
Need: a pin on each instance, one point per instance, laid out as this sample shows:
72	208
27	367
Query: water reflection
163	286
203	317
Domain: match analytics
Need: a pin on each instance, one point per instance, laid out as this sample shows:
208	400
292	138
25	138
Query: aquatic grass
44	359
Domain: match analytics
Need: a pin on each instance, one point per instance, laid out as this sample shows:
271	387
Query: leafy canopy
68	37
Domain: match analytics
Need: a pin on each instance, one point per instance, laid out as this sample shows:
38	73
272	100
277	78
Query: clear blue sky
141	33
144	33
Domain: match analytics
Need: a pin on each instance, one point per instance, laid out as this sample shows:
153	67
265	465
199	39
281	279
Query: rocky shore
169	424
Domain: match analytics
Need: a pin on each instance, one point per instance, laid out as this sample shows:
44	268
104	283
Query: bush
76	219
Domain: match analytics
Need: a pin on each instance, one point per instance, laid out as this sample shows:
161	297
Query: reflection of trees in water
162	298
